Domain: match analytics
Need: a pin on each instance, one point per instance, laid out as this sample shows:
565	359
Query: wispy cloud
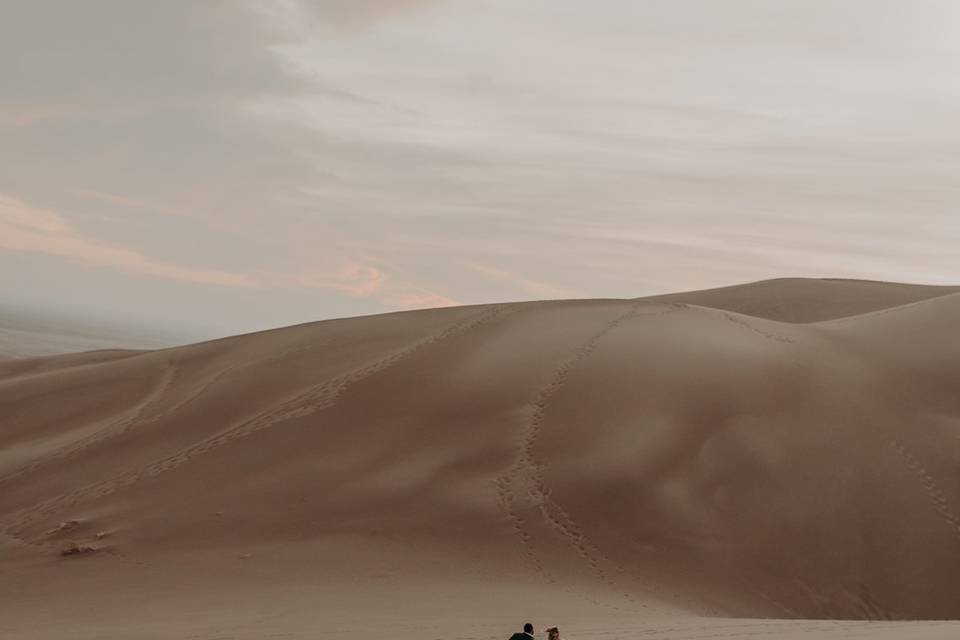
525	285
27	116
295	14
336	157
128	202
366	281
26	228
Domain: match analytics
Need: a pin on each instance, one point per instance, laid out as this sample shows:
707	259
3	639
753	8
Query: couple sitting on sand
552	633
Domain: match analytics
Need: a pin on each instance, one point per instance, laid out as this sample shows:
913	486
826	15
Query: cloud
353	279
30	229
143	98
419	299
25	228
300	15
365	281
19	117
348	156
526	285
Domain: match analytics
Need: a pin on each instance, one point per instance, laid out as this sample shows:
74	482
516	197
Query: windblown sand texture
701	465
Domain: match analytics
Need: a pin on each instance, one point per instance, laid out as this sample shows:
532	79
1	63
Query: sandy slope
808	299
618	467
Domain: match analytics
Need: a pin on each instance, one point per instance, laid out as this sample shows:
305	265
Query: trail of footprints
315	398
143	413
766	334
135	416
937	498
506	500
526	475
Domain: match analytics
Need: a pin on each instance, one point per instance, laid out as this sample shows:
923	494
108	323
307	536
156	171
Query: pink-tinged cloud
352	279
27	116
530	286
365	281
24	227
125	201
420	299
360	280
27	228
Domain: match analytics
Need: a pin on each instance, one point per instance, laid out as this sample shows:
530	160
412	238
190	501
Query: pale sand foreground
620	468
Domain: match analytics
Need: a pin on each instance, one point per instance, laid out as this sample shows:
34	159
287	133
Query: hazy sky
238	165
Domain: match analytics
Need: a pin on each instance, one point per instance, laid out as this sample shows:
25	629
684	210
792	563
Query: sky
231	165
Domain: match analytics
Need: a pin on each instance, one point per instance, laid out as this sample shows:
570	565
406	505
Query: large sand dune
617	467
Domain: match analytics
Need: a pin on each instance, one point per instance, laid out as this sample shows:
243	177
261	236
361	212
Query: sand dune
808	299
618	467
29	333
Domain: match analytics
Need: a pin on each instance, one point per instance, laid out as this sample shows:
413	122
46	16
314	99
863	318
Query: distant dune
32	333
784	449
808	300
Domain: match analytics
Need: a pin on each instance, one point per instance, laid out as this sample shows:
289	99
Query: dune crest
806	300
658	456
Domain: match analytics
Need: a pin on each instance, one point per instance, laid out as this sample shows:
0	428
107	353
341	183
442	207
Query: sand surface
725	464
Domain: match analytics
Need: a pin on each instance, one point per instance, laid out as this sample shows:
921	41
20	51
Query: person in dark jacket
526	635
